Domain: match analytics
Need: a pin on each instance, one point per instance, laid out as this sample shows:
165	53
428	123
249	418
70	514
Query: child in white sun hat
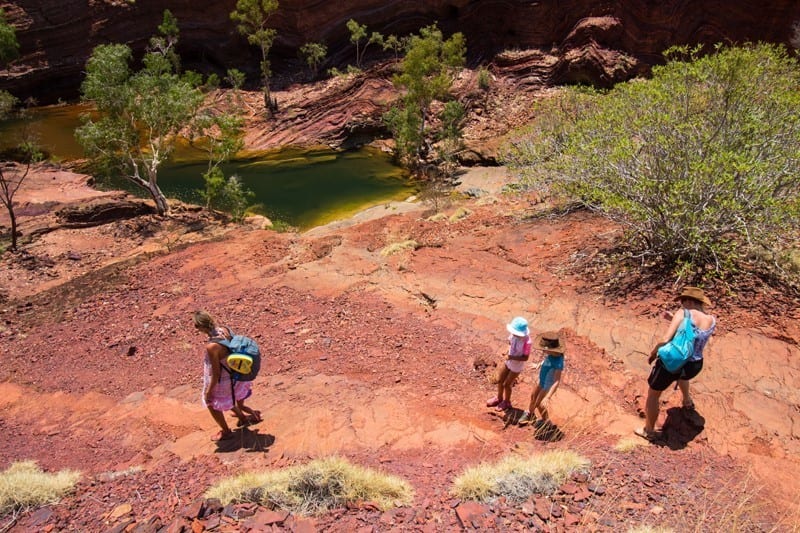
519	348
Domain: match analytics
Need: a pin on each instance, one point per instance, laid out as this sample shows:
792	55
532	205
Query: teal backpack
244	356
680	349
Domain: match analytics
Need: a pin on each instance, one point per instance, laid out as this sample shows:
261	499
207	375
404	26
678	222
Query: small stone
193	510
582	495
120	511
40	516
528	507
569	488
267	518
580	477
599	490
631	506
469	513
541	506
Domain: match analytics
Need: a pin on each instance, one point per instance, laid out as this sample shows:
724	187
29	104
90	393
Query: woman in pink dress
220	393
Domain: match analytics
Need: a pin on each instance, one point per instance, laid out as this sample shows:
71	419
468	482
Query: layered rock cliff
548	41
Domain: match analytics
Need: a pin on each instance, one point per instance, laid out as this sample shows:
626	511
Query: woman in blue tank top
693	300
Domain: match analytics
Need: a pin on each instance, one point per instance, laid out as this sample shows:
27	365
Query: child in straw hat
550	371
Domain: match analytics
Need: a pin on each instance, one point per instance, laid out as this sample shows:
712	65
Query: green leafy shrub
700	164
236	197
9	45
313	54
484	78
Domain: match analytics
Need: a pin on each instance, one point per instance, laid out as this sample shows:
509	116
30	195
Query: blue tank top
548	369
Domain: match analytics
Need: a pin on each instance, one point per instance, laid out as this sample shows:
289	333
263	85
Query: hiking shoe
493	402
526	418
502	406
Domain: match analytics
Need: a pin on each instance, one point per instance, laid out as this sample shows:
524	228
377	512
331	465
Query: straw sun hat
695	293
550	341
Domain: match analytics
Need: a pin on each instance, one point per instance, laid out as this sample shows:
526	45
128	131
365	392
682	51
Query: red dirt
385	360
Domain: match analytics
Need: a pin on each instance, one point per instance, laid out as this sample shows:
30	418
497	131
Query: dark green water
51	127
304	188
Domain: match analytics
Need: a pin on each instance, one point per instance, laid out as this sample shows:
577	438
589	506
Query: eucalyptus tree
426	74
358	33
253	17
139	115
11	175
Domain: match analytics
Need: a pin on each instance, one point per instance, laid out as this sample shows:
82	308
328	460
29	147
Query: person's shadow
681	427
247	439
544	431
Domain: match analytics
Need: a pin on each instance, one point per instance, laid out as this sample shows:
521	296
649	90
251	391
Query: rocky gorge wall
599	42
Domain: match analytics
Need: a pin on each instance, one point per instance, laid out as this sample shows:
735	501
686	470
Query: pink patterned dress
221	395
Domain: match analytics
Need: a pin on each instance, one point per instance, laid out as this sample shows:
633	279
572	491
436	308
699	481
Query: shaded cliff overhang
588	41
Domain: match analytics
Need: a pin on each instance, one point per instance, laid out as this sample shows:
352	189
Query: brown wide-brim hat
550	341
695	293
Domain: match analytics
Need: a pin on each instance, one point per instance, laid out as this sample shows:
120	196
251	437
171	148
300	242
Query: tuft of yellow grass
315	487
437	217
132	471
399	247
487	200
651	529
460	213
628	444
517	478
24	485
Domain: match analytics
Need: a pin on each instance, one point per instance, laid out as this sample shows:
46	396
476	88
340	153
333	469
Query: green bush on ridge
700	165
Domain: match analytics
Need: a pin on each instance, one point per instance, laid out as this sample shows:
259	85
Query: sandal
249	420
688	406
527	418
222	435
649	436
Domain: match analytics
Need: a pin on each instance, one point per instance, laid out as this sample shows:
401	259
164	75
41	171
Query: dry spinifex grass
314	487
24	485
